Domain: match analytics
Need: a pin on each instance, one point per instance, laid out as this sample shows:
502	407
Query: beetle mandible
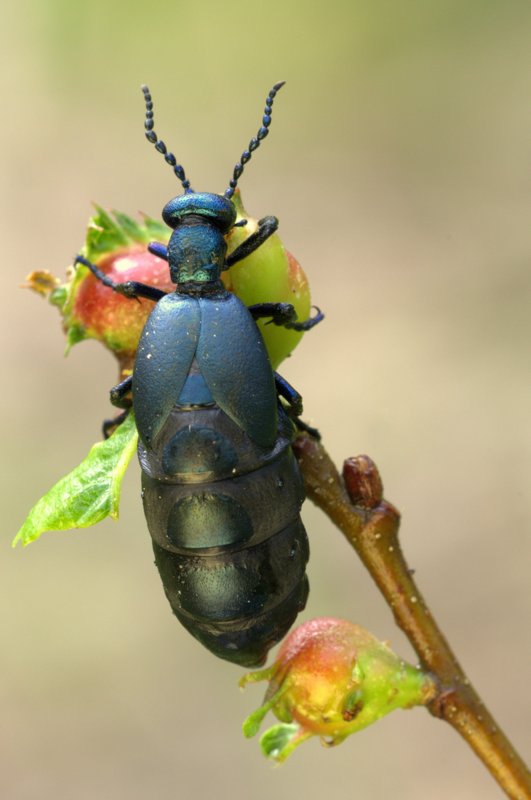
220	485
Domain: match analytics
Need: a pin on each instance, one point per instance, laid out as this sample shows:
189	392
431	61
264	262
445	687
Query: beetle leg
294	400
291	395
266	227
305	428
119	399
128	289
119	393
109	425
159	250
306	324
284	314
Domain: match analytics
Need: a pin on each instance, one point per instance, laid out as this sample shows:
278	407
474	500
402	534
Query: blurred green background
399	166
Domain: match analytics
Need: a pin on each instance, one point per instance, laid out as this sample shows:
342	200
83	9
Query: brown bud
362	481
41	281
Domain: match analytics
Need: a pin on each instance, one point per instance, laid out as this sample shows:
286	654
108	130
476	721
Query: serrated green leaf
75	334
131	228
89	493
104	235
58	296
107	233
155	229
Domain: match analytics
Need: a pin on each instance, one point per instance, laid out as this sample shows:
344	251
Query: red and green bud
118	245
90	310
331	678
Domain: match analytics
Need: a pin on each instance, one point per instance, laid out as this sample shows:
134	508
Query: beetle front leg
284	314
158	249
266	227
133	289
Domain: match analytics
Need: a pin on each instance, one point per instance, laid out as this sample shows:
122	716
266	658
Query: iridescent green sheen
208	519
199	450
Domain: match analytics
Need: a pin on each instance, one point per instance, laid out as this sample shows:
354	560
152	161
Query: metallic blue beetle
220	485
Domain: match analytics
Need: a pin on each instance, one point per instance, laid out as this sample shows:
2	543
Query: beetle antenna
152	137
255	142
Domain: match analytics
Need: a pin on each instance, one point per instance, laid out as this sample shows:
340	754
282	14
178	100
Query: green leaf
108	232
89	493
131	228
58	296
75	333
104	235
280	741
251	725
155	229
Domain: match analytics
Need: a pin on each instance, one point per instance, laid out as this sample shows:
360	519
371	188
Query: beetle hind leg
109	425
119	393
290	395
119	399
303	427
294	407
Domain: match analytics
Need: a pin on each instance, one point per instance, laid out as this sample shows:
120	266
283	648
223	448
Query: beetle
221	488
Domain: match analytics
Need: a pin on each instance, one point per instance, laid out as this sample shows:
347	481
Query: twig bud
362	481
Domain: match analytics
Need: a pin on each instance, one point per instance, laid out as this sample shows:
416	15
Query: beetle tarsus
284	315
307	324
305	428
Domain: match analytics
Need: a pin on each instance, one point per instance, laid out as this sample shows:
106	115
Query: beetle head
212	208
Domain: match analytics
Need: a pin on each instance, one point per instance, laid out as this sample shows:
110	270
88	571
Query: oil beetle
220	485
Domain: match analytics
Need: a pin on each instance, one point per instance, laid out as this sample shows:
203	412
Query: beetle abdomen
228	540
239	604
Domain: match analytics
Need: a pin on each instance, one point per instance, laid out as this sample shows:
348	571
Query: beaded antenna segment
152	137
255	142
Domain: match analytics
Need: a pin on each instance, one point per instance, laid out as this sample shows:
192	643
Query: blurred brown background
399	165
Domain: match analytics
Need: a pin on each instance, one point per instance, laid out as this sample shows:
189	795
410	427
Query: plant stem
370	524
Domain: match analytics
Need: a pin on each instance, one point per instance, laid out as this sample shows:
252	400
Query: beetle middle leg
133	289
284	314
